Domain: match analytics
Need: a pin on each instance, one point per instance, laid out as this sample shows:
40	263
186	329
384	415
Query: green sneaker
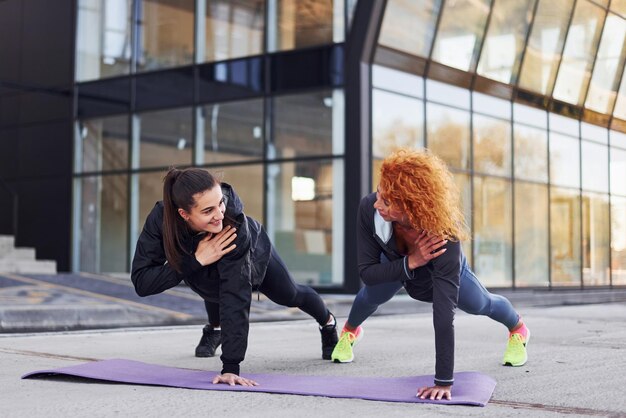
343	350
515	354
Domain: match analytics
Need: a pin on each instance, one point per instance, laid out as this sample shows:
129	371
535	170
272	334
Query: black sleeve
446	274
235	297
150	273
371	270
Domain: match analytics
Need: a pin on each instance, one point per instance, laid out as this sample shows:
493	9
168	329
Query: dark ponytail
179	188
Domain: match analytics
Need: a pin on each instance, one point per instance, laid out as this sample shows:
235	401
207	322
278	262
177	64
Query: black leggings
280	288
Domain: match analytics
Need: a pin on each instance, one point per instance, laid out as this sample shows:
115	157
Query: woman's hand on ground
213	247
233	379
426	247
435	392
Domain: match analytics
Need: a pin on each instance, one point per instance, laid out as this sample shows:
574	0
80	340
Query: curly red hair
420	185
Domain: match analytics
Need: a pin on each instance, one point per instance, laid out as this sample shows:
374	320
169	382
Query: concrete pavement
576	368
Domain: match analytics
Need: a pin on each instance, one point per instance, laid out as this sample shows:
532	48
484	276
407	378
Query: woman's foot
343	350
329	337
515	354
211	339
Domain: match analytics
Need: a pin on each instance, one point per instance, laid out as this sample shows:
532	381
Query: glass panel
150	192
166	138
448	135
618	240
563	124
420	16
105	144
461	30
565	236
596	243
351	5
398	81
303	23
594	133
447	94
531	234
618	171
103	38
531	153
605	79
233	131
303	125
617	139
492	231
247	180
620	104
543	52
504	42
463	182
580	48
301	199
595	167
397	121
492	146
166	34
104	224
619	6
233	29
564	161
491	105
530	116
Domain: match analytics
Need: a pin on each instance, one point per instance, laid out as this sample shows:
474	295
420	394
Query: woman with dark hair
199	234
409	235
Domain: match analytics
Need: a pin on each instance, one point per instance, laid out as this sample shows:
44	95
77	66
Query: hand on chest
405	239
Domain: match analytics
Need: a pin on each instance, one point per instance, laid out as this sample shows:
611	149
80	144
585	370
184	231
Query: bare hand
214	247
425	249
435	392
233	379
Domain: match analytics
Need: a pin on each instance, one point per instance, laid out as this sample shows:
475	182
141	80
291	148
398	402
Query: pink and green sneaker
515	354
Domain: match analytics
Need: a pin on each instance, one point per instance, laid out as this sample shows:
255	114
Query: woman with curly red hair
409	235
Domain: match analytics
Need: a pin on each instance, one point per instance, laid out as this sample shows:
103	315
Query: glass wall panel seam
478	49
593	65
580	193
558	68
134	36
448	105
429	60
512	130
610	148
397	93
268	132
549	185
619	84
521	60
424	114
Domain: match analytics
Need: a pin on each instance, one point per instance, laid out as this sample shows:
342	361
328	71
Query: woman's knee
475	306
374	296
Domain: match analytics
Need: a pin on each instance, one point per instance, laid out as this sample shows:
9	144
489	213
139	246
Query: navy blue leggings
473	299
280	288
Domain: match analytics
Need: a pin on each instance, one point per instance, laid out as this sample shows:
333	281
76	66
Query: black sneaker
329	339
211	339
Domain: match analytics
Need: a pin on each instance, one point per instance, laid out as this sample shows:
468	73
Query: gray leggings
473	299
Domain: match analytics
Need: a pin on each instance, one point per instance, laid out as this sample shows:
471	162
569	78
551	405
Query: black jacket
436	282
229	281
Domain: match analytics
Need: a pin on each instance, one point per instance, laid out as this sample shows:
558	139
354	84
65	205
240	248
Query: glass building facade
525	100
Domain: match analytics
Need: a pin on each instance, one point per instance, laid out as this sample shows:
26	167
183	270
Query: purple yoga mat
470	388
